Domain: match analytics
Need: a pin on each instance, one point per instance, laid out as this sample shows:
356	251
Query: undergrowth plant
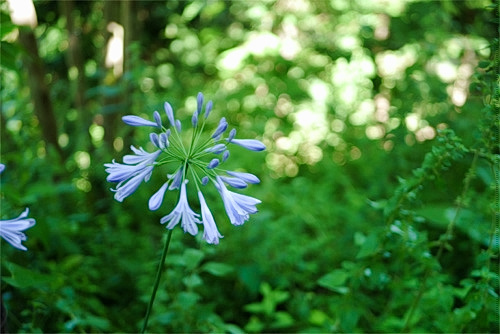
433	265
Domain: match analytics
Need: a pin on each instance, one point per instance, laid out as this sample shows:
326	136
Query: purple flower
199	101
210	233
249	144
232	133
155	139
163	139
220	128
156	200
216	149
208	108
170	113
137	168
238	207
156	116
187	159
247	177
11	230
213	163
138	121
234	182
176	180
183	212
204	180
194	120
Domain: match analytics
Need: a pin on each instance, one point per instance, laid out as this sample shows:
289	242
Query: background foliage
379	185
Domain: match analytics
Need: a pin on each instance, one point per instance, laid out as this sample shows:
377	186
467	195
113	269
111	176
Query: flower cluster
11	229
198	161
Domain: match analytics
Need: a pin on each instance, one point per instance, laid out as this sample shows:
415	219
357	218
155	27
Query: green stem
157	280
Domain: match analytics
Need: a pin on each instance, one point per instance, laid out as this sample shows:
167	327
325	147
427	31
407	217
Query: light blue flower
247	177
2	168
200	161
221	128
156	200
137	168
249	144
208	108
138	121
216	149
170	113
11	230
183	212
234	182
213	163
176	179
238	207
210	233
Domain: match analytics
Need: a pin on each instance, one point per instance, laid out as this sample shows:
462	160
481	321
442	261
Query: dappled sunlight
391	65
114	50
22	13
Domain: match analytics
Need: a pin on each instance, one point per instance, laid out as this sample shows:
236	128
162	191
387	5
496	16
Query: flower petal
208	108
220	128
199	101
11	230
238	207
156	200
210	232
154	139
157	118
232	133
163	139
247	177
216	149
170	113
213	163
234	182
182	212
250	144
176	180
204	180
137	121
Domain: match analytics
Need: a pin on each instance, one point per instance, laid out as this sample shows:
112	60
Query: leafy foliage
380	184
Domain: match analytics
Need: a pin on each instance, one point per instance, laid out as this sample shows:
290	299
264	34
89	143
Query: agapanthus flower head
12	229
191	166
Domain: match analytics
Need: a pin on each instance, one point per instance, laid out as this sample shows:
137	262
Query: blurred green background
379	183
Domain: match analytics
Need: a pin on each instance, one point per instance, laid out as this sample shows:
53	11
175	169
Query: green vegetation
379	185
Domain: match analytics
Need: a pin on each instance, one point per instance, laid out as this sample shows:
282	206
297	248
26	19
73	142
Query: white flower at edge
11	229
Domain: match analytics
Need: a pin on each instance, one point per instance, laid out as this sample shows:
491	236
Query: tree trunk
39	89
75	62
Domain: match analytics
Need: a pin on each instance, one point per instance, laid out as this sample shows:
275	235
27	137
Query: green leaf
22	277
217	269
193	258
187	299
233	329
467	221
335	280
369	246
192	281
282	320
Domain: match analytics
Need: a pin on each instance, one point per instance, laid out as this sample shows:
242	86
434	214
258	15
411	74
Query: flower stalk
157	281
